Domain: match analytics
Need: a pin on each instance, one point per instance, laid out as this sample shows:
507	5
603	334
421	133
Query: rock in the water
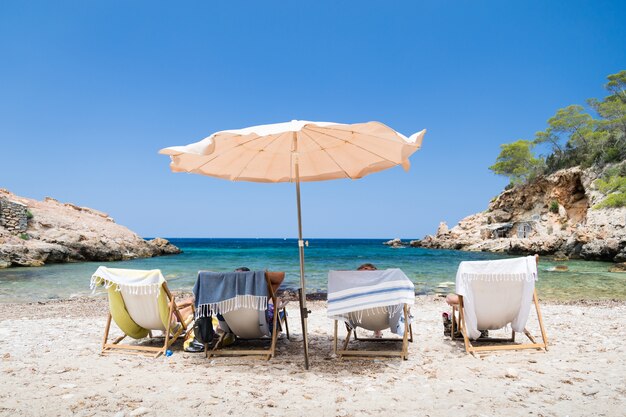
163	247
620	267
395	243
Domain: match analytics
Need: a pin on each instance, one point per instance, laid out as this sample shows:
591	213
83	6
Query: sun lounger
494	295
241	299
140	303
372	300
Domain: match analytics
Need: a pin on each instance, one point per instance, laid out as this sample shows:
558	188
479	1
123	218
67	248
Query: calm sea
432	271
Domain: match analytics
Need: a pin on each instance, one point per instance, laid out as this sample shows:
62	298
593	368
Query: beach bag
203	330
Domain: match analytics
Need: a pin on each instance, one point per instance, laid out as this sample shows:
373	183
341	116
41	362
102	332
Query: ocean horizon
431	270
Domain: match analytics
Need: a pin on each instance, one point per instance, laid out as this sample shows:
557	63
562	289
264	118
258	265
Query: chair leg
168	327
544	337
530	336
286	322
345	343
106	331
453	323
218	345
335	337
274	335
463	328
405	336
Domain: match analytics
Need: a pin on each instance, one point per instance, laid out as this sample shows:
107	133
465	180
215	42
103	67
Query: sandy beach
51	365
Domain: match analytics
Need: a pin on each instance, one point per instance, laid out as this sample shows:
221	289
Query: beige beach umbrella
297	151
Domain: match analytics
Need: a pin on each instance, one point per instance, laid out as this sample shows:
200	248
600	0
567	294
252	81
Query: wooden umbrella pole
304	312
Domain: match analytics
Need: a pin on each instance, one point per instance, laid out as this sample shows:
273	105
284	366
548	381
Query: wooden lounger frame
154	350
469	348
267	354
372	354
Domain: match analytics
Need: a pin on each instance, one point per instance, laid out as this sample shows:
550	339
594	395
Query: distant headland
34	233
568	202
560	214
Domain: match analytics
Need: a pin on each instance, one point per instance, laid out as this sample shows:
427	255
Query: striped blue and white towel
352	291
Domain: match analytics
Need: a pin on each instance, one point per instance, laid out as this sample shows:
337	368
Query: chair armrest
182	305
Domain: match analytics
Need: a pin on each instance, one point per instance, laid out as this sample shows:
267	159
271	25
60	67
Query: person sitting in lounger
453	301
275	278
371	267
367	267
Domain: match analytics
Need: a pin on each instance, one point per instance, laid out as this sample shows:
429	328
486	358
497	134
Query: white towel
369	291
133	281
496	293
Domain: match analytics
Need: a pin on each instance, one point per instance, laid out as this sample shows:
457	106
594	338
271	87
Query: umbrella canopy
297	151
324	150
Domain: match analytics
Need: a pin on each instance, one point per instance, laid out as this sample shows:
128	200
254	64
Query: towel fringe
357	315
253	302
469	276
134	289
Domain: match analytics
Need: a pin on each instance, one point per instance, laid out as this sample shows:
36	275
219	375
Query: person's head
367	267
242	269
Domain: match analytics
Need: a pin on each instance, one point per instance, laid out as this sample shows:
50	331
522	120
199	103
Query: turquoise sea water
431	270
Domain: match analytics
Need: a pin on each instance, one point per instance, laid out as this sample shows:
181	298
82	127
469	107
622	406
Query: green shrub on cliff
573	137
554	206
615	189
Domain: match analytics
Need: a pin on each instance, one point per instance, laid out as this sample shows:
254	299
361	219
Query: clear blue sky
91	90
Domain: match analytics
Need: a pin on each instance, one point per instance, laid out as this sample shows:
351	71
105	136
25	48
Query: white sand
51	366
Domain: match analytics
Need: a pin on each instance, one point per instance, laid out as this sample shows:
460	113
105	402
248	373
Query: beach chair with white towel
496	294
372	300
242	301
140	303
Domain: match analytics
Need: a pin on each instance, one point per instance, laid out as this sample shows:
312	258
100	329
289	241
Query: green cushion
121	316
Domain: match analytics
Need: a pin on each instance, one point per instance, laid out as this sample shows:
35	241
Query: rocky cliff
553	215
34	233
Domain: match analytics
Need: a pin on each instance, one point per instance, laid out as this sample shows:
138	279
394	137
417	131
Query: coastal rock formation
442	229
395	243
34	233
552	215
620	267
